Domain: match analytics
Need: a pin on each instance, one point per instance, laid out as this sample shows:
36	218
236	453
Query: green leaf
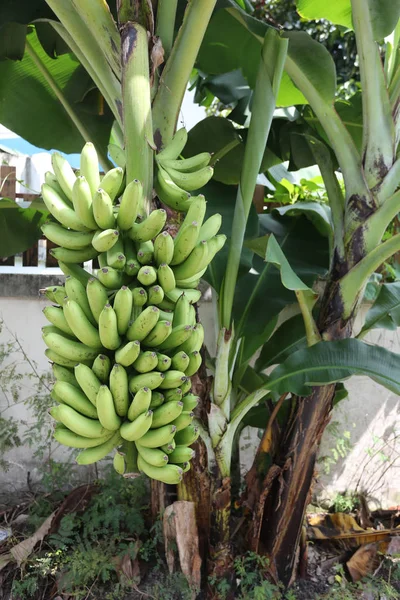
289	278
288	338
318	214
329	362
12	41
19	227
385	313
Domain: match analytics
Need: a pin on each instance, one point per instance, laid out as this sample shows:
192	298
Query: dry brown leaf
21	551
364	561
343	527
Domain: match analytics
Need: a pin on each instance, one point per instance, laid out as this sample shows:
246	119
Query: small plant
345	503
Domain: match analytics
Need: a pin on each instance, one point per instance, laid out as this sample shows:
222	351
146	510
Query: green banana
110	278
103	210
169	474
92	455
195	214
123	304
190	283
55	315
214	245
194	364
184	466
195	262
190	401
145	362
168	192
188	165
129	206
108	328
182	312
177	337
102	367
70	395
187	436
144	323
80	325
90	428
88	381
104	240
155	438
147	275
60	210
173	395
69	348
134	430
153	456
115	256
76	290
89	166
172	150
167	305
73	440
97	297
132	265
53	329
64	173
158	334
184	245
106	412
126	355
74	256
180	361
166	414
186	386
166	315
151	380
82	201
163	362
163	248
192	295
75	271
51	180
166	277
57	359
168	448
210	228
119	389
172	379
155	295
145	253
193	180
156	400
139	297
148	228
112	182
51	291
194	342
140	403
72	240
64	374
184	419
119	463
181	454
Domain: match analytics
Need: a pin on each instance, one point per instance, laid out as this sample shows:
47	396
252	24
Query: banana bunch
124	343
177	177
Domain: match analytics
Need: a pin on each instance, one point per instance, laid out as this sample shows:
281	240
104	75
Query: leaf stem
166	14
375	226
312	333
390	184
223	151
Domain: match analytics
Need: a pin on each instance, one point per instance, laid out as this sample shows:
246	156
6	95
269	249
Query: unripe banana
102	367
103	210
64	173
70	395
181	454
130	203
184	419
55	315
90	428
153	456
188	165
180	361
68	438
168	192
75	271
172	379
191	283
123	304
163	362
166	414
58	359
115	256
76	290
145	253
119	389
173	395
168	448
211	227
73	240
112	182
119	463
163	248
144	323
135	430
132	265
177	337
166	277
74	351
192	295
51	180
169	474
151	380
80	325
150	227
196	261
184	466
166	315
92	455
156	400
106	410
186	242
82	201
60	210
56	398
147	275
145	362
104	240
97	297
191	181
64	374
155	295
186	386
190	401
182	311
196	212
108	328
167	305
88	381
155	438
172	150
53	329
139	297
126	355
52	293
158	334
110	278
214	245
89	166
187	436
194	364
194	342
140	403
74	256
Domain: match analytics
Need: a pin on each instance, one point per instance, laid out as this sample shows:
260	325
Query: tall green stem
105	163
175	77
273	57
166	13
138	130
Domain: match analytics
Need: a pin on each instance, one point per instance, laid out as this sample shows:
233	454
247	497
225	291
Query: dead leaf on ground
21	551
343	528
364	561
